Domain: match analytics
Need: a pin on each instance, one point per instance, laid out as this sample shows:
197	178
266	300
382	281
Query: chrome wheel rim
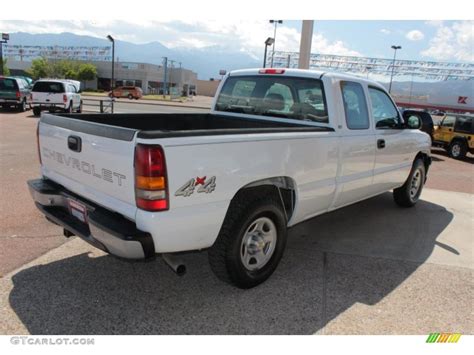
258	243
455	150
415	184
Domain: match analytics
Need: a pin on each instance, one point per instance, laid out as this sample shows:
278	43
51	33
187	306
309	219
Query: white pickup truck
279	146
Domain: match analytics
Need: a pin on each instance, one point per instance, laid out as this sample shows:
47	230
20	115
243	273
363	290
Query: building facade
149	77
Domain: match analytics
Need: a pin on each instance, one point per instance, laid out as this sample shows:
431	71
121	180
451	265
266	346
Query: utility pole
165	73
171	72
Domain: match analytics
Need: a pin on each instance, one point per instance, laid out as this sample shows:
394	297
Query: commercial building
149	77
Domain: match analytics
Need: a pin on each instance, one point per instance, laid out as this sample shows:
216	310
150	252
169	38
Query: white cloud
244	36
415	35
452	42
385	31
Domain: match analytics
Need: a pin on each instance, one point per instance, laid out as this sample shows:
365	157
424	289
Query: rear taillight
64	98
18	95
271	71
151	186
38	142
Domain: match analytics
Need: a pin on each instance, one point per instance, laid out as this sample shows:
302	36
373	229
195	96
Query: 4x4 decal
191	185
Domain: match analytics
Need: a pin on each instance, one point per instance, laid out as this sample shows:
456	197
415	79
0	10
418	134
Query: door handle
381	143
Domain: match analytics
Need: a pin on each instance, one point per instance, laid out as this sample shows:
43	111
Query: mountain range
206	62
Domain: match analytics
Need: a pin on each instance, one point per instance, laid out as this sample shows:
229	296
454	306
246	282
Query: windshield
286	97
48	86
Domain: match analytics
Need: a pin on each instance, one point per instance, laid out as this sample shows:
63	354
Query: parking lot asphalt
370	268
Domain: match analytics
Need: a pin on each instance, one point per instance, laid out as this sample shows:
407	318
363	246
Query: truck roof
309	73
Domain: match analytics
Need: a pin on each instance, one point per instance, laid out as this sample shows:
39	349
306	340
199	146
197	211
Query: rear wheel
408	194
79	110
130	96
251	241
69	109
36	111
457	149
22	106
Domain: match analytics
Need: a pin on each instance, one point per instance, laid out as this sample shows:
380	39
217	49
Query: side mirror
413	122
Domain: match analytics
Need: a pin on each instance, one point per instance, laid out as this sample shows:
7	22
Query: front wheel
408	194
79	109
130	96
251	241
457	149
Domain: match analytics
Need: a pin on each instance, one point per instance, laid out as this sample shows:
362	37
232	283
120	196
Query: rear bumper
14	101
103	229
47	105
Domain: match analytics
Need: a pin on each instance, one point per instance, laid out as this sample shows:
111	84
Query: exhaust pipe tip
175	263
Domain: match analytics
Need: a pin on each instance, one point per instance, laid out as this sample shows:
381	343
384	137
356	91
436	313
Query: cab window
383	110
355	105
464	125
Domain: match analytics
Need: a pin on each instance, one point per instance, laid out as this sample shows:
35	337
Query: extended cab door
357	146
395	147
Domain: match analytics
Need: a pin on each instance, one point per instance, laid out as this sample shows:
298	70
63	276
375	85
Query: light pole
393	66
112	80
269	41
275	24
5	38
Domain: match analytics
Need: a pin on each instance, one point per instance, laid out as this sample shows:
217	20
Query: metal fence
105	105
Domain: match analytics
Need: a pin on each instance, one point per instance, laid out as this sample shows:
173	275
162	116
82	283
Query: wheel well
283	187
458	138
426	160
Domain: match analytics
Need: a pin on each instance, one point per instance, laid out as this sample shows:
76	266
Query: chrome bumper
103	229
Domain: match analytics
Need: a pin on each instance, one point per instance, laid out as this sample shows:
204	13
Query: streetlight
5	38
393	66
112	81
275	24
269	41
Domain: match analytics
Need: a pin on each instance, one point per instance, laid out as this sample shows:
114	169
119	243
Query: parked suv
56	94
132	92
455	134
14	92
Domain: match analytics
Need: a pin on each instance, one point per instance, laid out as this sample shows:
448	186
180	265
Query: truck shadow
358	254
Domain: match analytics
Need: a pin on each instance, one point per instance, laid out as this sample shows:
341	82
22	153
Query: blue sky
421	40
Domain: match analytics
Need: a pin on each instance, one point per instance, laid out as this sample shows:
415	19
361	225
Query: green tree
40	68
6	71
86	72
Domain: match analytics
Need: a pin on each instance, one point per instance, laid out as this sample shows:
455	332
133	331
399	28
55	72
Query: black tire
130	96
22	106
406	196
457	149
79	110
69	109
36	111
225	255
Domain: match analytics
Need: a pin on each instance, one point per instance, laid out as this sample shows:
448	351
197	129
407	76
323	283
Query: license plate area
77	210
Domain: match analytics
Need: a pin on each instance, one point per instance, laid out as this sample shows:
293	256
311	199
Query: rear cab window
49	86
275	96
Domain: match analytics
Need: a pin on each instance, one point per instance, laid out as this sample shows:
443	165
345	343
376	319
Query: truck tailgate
92	160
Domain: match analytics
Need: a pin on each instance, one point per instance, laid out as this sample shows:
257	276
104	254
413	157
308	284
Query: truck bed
166	125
